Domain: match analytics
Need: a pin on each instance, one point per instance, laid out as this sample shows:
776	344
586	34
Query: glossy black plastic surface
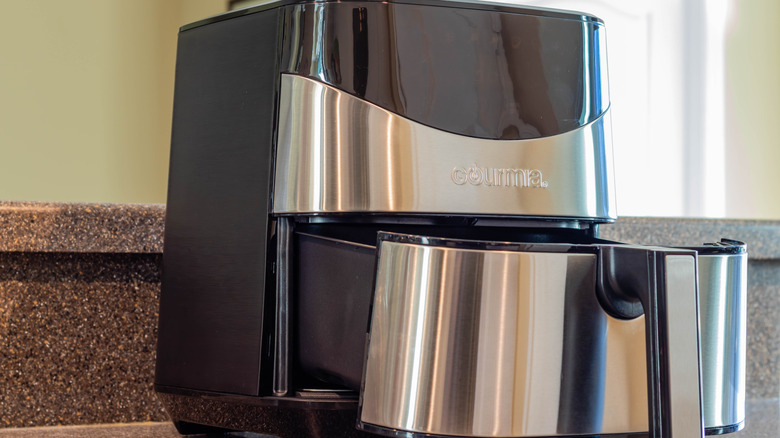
481	70
285	417
334	279
480	73
481	5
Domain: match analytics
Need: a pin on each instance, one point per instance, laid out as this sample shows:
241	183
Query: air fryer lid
497	74
485	70
432	108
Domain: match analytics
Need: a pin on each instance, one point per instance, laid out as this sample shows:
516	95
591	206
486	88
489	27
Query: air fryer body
325	72
303	131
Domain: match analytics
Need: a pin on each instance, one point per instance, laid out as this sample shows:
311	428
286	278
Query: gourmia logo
495	177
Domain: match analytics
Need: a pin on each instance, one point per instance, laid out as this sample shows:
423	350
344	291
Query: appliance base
199	412
383	431
204	412
724	429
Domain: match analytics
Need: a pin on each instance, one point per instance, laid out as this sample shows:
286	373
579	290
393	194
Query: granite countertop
71	236
763	421
762	237
119	430
146	430
79	287
81	228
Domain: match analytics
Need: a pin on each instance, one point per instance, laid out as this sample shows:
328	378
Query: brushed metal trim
444	312
473	342
722	312
682	331
337	153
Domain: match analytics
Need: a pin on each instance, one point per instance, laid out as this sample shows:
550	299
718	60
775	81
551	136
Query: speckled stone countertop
81	228
763	421
79	287
121	430
762	237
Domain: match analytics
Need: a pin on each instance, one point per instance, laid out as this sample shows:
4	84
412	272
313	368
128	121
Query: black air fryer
383	219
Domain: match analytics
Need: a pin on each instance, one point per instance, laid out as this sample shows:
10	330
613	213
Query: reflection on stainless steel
682	333
626	370
337	153
462	340
722	308
471	342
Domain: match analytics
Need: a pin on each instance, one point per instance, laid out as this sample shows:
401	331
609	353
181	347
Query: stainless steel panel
682	332
495	343
337	153
722	310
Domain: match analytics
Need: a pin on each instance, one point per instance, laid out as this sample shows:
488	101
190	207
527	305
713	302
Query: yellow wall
86	91
753	110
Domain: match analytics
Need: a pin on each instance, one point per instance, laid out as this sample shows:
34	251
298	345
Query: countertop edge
139	228
81	227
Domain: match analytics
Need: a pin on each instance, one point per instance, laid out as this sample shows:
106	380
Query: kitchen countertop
79	291
763	421
81	228
119	430
100	263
